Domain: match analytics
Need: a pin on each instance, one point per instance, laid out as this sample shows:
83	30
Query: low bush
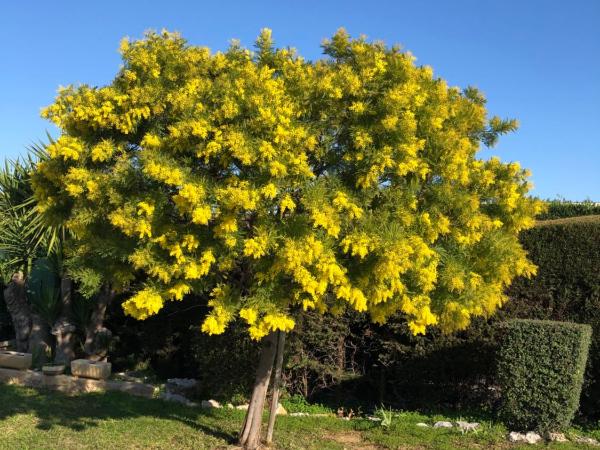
540	371
560	209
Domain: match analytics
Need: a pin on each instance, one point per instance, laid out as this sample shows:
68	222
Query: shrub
540	370
559	209
566	288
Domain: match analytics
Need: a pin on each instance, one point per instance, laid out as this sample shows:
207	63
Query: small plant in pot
53	369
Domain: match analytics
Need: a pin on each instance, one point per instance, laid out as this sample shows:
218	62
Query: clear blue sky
538	61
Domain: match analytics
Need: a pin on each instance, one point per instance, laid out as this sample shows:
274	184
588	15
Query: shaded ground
49	420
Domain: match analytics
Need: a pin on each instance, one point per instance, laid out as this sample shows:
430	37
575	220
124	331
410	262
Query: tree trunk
40	340
64	329
95	329
20	312
276	384
250	434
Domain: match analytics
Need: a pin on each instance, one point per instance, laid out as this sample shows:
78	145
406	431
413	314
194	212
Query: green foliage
299	403
540	370
18	241
386	416
567	286
43	289
560	209
232	354
318	357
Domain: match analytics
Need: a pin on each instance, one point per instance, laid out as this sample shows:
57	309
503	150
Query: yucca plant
24	238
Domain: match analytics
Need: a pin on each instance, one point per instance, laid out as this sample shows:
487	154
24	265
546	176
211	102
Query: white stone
175	398
587	440
513	436
374	419
557	437
243	407
531	437
465	427
423	425
210	404
299	414
442	424
230	406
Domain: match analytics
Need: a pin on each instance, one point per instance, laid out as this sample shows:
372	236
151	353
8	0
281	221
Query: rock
465	427
15	360
175	398
207	404
374	419
298	414
86	368
531	437
243	407
442	424
230	406
513	436
181	386
280	410
557	437
587	440
423	425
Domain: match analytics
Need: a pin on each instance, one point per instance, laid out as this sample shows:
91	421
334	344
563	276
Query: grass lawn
31	419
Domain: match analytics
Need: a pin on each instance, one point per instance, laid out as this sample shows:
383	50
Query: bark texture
250	434
63	329
96	335
276	385
40	340
19	310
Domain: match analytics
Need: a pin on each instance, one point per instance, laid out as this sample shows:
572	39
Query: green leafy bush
566	288
560	209
299	404
540	370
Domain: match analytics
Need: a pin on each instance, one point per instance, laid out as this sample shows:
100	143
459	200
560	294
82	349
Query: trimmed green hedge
560	209
540	370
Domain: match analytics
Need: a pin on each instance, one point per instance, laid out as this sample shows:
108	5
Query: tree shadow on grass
52	409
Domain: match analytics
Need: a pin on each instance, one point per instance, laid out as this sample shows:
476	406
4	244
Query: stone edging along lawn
73	385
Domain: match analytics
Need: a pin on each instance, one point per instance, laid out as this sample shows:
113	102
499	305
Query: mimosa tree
277	184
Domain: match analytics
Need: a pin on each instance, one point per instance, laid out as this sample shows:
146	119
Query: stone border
73	385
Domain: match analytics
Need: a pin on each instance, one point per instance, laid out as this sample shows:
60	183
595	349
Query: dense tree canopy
274	182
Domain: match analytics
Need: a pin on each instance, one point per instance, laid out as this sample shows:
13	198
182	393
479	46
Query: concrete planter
15	360
85	368
52	370
5	345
